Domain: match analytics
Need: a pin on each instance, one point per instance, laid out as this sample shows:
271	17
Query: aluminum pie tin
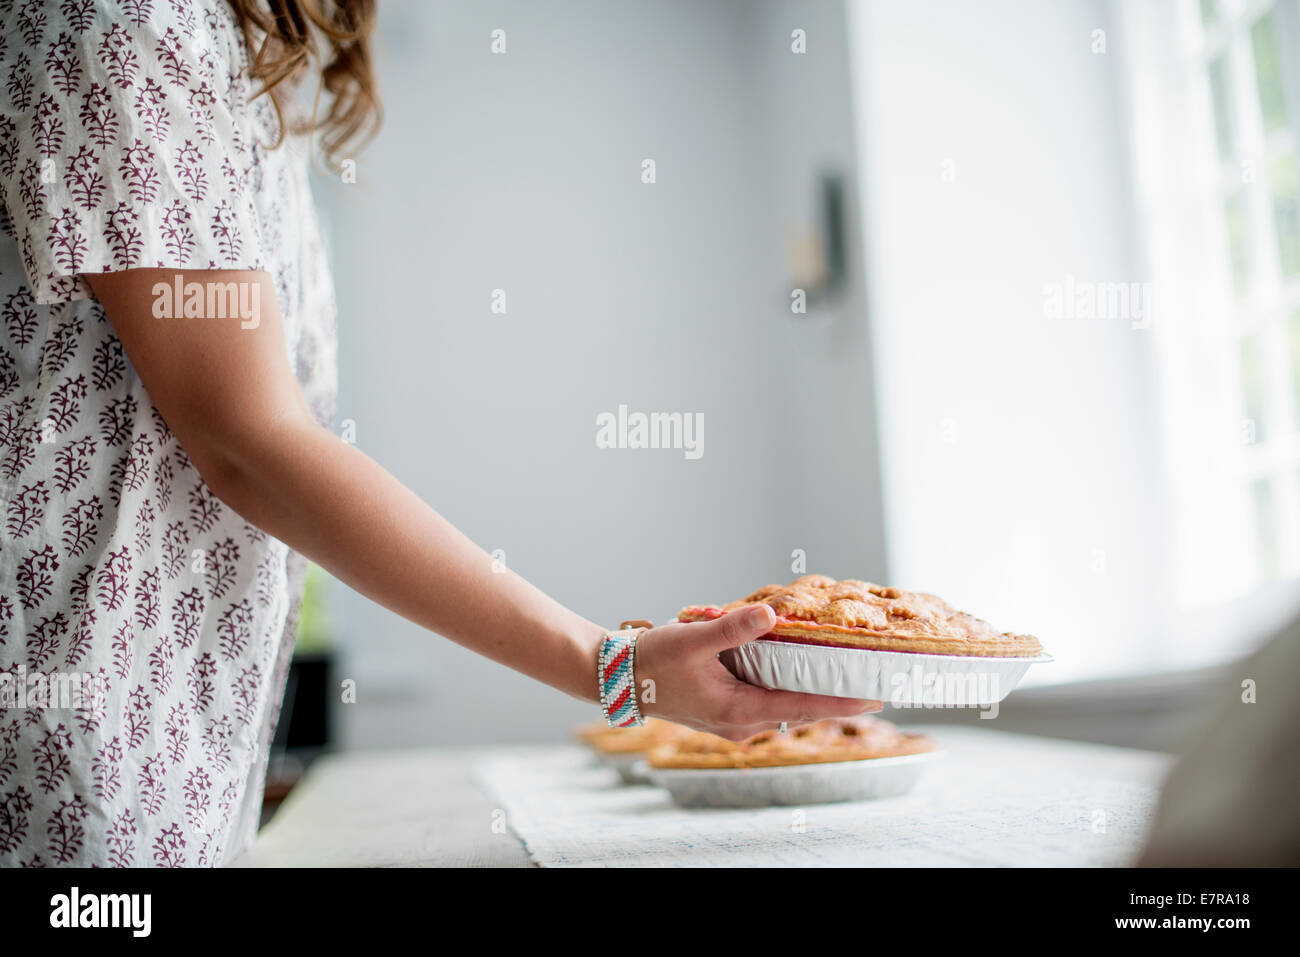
628	766
799	784
899	678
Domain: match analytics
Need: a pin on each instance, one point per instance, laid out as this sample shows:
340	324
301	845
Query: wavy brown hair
327	38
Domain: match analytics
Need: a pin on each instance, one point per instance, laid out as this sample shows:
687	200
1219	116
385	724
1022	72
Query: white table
388	809
995	799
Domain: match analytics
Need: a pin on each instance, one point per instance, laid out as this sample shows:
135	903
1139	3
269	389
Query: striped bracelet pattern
615	675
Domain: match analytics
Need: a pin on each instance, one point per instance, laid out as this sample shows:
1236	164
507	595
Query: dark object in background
306	704
833	227
817	253
305	730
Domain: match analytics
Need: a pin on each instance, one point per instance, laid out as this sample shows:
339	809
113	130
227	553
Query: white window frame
1273	299
1220	595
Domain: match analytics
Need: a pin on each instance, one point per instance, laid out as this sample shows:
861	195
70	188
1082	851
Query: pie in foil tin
857	639
792	785
897	678
622	749
838	759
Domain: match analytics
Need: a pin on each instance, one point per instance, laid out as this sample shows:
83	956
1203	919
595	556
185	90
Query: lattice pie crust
818	610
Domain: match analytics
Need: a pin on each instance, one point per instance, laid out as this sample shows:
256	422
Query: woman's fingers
752	706
734	628
695	689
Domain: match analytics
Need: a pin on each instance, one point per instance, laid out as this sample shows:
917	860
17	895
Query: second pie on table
603	739
623	748
818	610
833	740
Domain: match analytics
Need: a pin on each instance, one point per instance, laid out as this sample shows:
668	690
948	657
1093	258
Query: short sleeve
125	140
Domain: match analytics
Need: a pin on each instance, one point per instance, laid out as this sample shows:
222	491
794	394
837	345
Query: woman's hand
692	687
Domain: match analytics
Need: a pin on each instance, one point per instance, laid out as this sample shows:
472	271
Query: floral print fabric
130	137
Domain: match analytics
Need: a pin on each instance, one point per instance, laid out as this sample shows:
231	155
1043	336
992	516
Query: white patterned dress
129	138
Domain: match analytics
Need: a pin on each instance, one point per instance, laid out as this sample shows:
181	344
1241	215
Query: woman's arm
225	388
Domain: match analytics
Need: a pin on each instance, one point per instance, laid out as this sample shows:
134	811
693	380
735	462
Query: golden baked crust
817	610
601	737
838	739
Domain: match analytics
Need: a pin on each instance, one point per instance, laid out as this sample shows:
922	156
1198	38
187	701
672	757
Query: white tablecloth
995	799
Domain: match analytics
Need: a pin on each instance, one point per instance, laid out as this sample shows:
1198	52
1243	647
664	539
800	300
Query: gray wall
522	172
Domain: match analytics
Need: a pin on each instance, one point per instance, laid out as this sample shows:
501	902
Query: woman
166	386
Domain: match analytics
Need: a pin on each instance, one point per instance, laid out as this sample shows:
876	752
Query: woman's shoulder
128	137
117	43
190	17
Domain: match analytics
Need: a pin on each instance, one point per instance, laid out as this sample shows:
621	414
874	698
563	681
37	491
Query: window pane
1221	100
1284	180
1252	383
1238	251
1265	528
1268	73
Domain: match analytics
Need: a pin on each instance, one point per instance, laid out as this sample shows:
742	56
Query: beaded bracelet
615	675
